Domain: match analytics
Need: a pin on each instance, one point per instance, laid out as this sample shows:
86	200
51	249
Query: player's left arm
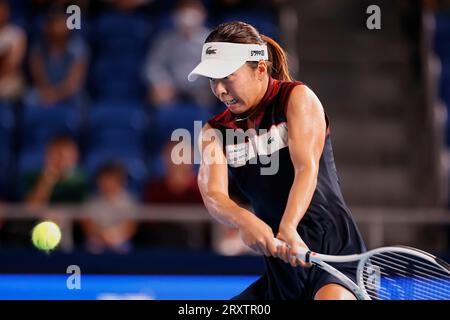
306	136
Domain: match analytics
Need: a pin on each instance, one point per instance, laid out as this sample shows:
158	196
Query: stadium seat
118	79
7	122
31	159
19	11
265	22
121	34
444	84
120	42
441	36
114	104
28	160
119	127
117	116
155	167
180	116
40	124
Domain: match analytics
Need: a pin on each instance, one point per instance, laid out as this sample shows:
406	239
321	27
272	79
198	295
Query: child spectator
111	225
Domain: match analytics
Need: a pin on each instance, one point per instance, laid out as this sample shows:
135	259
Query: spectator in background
111	224
177	186
173	54
12	49
57	63
61	180
179	183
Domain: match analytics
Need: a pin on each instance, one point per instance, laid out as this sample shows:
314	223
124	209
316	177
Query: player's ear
261	69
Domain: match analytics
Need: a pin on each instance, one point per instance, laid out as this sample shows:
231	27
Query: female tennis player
299	200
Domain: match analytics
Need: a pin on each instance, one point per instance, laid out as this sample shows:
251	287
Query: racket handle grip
300	256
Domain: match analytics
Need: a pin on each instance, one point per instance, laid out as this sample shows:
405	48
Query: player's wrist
287	227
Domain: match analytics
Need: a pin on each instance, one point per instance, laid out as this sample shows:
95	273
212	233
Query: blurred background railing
380	225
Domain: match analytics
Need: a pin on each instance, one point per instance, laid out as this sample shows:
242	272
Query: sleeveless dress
260	164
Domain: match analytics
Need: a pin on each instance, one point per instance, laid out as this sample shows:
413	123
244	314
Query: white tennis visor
220	59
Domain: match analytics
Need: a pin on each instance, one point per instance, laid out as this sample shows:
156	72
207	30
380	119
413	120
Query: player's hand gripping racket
389	273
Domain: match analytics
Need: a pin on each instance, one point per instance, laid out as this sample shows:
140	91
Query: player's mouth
231	102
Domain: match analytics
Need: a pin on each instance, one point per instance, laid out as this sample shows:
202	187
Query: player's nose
219	88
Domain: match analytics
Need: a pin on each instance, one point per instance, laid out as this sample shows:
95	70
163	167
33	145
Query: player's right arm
213	185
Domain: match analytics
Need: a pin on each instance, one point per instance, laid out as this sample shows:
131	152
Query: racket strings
382	293
429	274
427	266
395	275
416	281
419	274
394	291
387	278
395	286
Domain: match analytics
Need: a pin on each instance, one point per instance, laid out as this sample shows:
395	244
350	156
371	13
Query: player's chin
237	108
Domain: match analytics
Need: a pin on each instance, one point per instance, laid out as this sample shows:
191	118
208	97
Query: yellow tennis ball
46	235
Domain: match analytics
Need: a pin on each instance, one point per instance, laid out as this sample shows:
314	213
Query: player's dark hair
241	32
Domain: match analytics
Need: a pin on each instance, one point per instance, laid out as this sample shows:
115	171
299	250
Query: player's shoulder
294	90
302	93
304	104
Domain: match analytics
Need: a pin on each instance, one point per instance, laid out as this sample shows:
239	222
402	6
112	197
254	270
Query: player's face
240	91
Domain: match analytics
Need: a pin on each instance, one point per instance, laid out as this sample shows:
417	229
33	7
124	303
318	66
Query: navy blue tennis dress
327	227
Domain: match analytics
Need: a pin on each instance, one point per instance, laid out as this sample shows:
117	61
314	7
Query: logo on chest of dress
245	146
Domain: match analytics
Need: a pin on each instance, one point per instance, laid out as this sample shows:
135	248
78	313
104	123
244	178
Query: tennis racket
389	273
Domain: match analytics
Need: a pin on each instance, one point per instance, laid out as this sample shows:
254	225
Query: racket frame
358	289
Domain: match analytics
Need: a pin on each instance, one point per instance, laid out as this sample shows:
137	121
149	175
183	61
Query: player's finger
272	249
293	253
283	253
293	260
295	250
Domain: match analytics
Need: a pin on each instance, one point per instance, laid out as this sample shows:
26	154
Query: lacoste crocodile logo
209	51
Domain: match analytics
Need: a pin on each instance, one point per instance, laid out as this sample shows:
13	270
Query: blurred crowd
86	114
